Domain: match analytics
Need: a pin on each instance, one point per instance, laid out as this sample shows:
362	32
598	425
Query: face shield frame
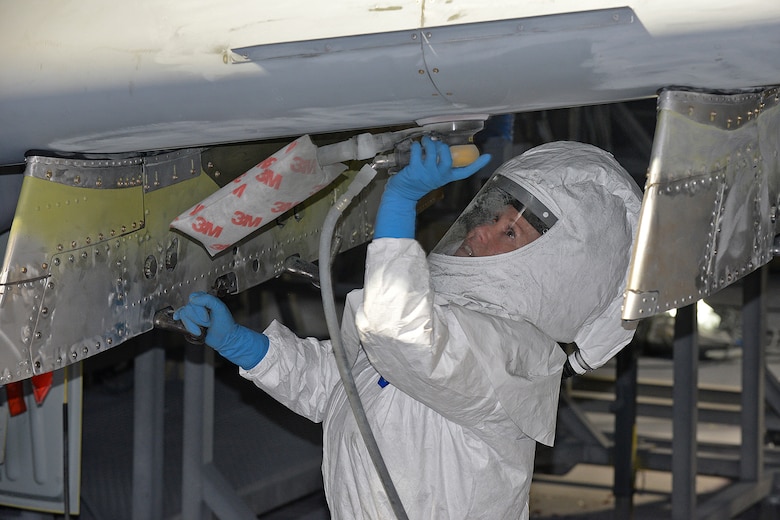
535	212
497	193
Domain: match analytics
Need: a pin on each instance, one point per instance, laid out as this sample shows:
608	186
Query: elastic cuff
576	363
568	371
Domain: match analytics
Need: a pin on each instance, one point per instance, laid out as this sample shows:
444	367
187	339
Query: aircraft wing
159	75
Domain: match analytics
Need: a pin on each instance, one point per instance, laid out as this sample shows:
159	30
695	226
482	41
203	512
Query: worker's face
507	231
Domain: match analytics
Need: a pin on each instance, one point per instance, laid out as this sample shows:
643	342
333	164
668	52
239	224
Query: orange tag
15	394
41	386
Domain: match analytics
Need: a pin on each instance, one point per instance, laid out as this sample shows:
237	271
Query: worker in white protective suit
456	356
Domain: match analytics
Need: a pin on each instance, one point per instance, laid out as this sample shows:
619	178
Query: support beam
221	498
685	416
204	489
575	421
753	380
194	454
148	434
625	429
735	499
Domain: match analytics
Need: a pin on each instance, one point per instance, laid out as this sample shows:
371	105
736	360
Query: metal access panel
709	214
91	256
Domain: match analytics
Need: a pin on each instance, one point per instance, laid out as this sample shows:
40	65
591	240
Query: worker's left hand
426	173
238	344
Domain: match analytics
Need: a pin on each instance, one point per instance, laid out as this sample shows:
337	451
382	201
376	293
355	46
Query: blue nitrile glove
397	211
240	345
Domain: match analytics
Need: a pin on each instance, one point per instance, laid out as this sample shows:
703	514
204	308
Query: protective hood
569	282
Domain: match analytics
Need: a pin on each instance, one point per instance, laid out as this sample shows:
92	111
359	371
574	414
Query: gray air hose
363	178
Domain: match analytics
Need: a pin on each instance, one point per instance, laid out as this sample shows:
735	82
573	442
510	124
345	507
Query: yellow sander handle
463	154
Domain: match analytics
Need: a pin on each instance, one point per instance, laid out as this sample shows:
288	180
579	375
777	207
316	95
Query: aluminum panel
91	257
711	199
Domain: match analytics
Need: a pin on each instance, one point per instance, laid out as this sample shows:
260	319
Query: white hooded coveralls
473	381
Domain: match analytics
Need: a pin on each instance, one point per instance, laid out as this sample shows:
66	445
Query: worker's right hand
429	171
396	214
240	345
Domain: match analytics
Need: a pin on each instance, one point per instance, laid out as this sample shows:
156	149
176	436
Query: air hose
363	178
461	156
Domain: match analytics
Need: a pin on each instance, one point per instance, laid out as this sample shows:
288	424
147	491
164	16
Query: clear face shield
502	217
